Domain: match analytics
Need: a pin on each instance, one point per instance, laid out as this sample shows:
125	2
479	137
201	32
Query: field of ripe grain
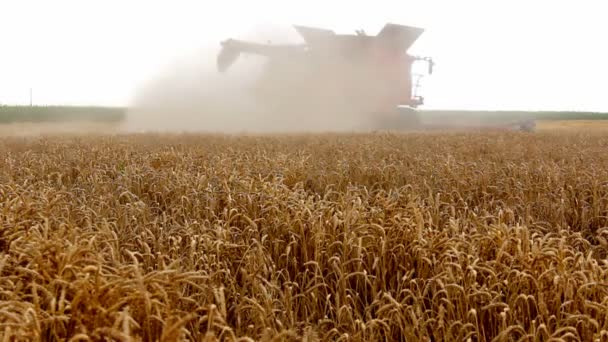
573	125
31	129
420	237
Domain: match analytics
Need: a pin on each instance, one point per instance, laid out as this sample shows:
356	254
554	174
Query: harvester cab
369	73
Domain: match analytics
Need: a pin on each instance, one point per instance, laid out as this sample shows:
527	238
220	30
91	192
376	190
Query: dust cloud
191	95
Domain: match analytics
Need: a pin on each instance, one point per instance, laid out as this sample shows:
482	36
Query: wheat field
354	237
573	125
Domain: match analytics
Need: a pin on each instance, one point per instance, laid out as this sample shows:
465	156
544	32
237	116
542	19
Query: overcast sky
534	54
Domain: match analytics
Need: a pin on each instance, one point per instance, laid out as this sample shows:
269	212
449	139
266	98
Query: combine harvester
357	74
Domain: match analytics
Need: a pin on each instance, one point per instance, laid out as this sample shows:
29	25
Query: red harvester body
371	75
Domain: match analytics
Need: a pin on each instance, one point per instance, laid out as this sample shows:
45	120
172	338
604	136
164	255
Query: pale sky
534	54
